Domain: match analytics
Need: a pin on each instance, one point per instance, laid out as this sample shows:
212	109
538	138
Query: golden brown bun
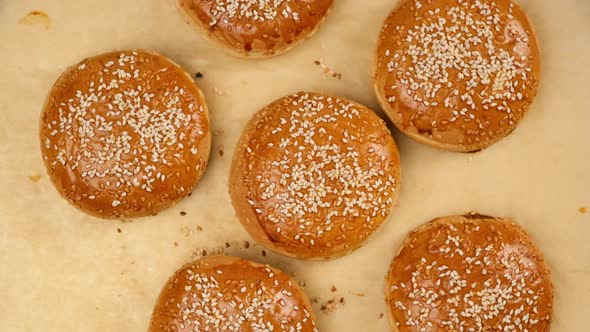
313	175
457	75
224	293
125	134
257	29
469	273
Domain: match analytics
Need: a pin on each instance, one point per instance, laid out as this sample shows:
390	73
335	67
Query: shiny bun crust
313	176
224	293
457	75
257	29
469	273
125	134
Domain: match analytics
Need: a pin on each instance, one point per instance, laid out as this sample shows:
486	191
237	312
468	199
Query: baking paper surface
61	270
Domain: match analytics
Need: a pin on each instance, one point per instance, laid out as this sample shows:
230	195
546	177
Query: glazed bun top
260	28
470	273
314	175
125	134
457	74
224	293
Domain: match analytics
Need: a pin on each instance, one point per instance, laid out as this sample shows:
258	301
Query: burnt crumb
302	283
334	289
332	305
327	71
381	315
119	230
337	75
227	245
190	194
246	244
221	152
176	244
199	228
198	75
263	253
204	253
182	213
314	300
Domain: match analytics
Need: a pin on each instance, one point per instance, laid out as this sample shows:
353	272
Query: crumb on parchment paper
36	17
35	178
327	71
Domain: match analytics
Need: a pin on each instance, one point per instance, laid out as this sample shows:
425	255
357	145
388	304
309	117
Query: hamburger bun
256	29
469	273
222	293
457	75
125	134
313	176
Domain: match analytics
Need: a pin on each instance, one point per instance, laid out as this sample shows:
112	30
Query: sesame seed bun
469	273
224	293
313	176
256	29
125	134
457	75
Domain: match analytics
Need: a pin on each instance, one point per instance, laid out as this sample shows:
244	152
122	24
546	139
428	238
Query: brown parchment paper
61	270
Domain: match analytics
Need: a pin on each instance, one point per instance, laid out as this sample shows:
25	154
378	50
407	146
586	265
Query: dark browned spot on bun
476	216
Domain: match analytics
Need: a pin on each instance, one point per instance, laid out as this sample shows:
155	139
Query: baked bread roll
125	134
457	75
257	29
313	176
224	293
469	273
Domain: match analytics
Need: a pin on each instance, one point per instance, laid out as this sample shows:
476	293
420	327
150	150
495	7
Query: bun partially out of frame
224	293
469	273
257	29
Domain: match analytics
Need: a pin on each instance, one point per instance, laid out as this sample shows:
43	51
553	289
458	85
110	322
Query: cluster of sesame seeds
122	123
469	278
238	298
455	59
321	170
255	10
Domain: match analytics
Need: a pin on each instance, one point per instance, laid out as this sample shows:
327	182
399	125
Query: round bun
469	273
313	176
224	293
125	134
457	75
257	29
